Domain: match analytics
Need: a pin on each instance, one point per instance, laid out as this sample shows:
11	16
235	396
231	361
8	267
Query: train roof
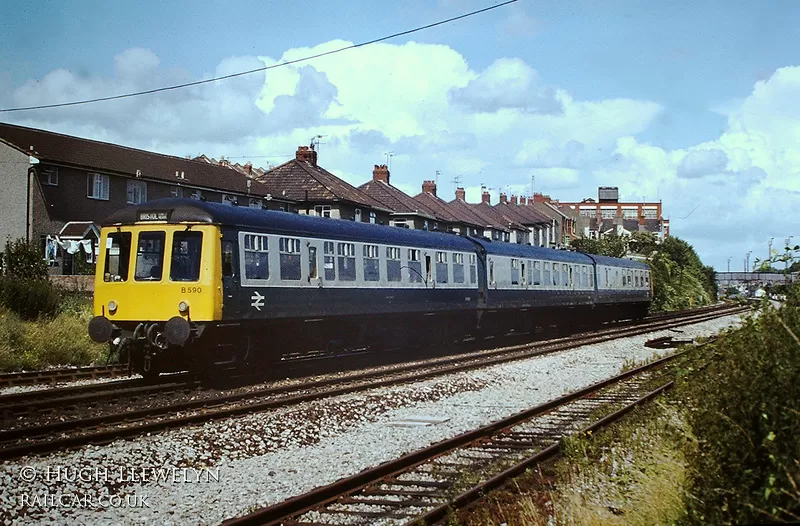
618	262
194	211
528	251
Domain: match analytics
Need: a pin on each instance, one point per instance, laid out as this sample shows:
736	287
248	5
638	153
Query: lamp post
786	263
747	261
729	263
769	252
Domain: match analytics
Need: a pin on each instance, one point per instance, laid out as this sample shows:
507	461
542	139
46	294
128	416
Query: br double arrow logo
258	300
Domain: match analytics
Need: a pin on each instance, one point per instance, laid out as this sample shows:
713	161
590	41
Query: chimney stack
540	198
381	173
304	153
503	198
248	166
429	187
461	195
485	196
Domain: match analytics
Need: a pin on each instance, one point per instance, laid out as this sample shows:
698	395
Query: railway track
35	439
424	487
52	376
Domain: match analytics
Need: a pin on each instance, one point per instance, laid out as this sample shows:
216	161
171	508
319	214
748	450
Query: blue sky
692	104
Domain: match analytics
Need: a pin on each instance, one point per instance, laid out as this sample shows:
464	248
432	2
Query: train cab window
458	268
591	278
537	273
514	271
227	258
150	256
347	261
491	271
547	275
329	261
473	268
312	263
290	258
414	266
256	261
118	256
186	250
372	271
442	268
605	283
393	264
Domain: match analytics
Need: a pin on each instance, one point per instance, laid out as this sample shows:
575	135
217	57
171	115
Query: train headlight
183	306
112	306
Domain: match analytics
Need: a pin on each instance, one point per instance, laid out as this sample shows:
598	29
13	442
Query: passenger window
547	277
186	251
150	256
347	261
458	268
556	275
256	261
442	268
312	262
372	271
414	266
118	256
393	264
537	273
473	268
290	258
514	271
566	275
227	258
329	262
491	271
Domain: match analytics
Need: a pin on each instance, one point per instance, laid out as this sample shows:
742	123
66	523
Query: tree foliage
24	260
24	287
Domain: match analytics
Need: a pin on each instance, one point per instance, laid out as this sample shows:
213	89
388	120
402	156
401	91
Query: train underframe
263	345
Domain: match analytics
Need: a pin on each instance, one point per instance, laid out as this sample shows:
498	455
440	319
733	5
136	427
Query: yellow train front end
157	287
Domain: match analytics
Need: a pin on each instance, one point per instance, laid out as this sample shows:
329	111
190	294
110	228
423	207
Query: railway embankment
721	448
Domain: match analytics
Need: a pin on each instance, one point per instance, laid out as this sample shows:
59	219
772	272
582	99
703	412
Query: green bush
30	298
745	411
62	340
24	260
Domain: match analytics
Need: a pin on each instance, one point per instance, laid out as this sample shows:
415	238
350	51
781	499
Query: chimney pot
429	187
381	173
304	153
486	197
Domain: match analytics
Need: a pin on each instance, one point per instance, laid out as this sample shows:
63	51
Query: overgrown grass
62	340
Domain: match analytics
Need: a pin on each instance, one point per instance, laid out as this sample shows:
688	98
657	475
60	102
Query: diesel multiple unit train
185	284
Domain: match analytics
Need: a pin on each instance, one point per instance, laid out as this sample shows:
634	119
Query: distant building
608	215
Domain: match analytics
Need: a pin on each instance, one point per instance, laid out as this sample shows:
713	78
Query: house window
254	203
588	212
97	187
196	194
358	215
256	262
414	266
393	264
323	210
371	263
372	217
650	213
290	258
608	213
229	200
400	223
176	191
137	192
50	176
629	213
329	261
347	261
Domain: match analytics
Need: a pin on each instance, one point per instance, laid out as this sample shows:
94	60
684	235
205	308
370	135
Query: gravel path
204	474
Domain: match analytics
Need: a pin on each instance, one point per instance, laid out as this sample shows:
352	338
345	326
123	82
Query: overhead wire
256	70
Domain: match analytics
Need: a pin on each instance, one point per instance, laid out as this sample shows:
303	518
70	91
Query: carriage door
230	280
